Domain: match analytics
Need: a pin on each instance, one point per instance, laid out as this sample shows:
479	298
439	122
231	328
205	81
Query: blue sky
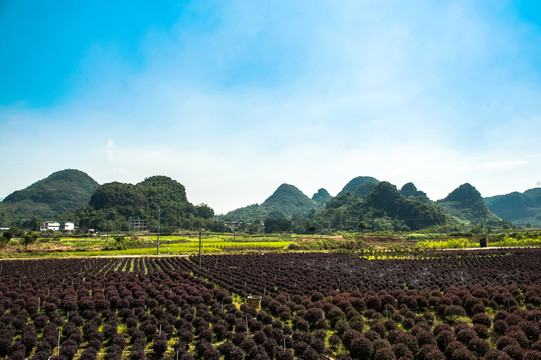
233	98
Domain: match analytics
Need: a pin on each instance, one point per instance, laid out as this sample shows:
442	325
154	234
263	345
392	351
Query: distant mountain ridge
518	208
380	205
73	193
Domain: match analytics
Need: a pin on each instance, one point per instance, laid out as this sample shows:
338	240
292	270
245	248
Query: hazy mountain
61	193
466	205
322	197
519	208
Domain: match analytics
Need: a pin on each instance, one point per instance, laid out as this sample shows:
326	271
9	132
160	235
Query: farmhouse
57	226
138	224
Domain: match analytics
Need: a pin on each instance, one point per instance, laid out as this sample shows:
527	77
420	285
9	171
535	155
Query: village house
57	226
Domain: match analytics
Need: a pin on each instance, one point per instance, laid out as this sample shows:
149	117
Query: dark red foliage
170	294
349	336
361	348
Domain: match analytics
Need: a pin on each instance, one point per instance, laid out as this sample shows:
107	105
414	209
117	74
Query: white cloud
110	152
117	171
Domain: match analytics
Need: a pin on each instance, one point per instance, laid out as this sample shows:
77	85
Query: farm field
147	245
457	305
372	245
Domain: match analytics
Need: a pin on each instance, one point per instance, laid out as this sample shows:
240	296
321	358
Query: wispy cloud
502	165
110	152
117	171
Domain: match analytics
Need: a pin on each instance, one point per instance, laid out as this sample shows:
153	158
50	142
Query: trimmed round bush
384	354
500	327
348	337
532	355
482	319
361	348
462	353
514	351
400	350
478	346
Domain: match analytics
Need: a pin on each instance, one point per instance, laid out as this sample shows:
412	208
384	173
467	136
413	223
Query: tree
254	228
277	225
120	243
6	237
109	226
29	238
32	224
362	225
204	211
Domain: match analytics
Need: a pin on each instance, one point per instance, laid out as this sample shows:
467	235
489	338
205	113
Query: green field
366	245
145	245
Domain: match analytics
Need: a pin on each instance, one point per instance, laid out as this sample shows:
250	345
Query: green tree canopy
29	238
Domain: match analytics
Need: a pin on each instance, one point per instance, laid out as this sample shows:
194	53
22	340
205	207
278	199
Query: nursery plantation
455	304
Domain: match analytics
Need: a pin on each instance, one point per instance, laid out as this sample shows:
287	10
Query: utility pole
485	225
200	246
158	248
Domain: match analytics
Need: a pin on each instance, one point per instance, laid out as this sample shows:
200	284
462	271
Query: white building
67	226
57	226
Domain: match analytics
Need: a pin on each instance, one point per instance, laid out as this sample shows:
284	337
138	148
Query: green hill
413	213
60	194
466	205
285	202
409	191
322	197
158	198
290	200
383	209
361	185
518	208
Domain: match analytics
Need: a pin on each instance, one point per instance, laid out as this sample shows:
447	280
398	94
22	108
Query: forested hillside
383	209
409	191
466	206
61	193
285	202
519	208
360	186
73	195
322	197
158	199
